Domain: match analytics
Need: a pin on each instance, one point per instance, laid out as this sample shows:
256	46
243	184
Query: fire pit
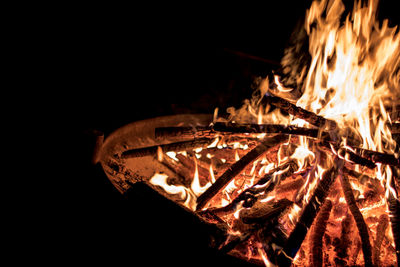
305	176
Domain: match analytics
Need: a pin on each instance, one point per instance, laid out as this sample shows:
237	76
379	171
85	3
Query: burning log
190	164
356	251
296	237
236	168
361	226
183	173
342	244
264	128
178	146
318	233
262	212
380	234
395	127
290	186
378	157
299	112
248	195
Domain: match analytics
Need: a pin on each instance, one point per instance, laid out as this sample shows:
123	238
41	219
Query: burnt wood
318	233
358	218
237	168
299	112
177	146
296	237
380	234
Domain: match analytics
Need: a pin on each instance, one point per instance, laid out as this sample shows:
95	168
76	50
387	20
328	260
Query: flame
160	179
160	155
212	176
197	189
353	70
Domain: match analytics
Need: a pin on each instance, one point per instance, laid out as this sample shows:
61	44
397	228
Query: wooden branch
178	146
299	112
318	233
378	157
348	155
237	168
359	219
296	237
184	132
227	127
380	234
236	128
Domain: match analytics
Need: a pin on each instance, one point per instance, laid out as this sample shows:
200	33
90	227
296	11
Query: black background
112	65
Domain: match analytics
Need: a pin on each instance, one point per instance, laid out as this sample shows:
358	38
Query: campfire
305	175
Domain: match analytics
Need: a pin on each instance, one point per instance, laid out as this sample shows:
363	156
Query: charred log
380	234
264	128
262	212
290	186
296	237
238	167
378	157
178	146
318	233
249	195
182	173
299	112
359	219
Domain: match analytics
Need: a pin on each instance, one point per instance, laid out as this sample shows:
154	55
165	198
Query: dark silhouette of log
318	233
358	218
380	234
178	146
394	215
378	157
228	127
249	195
237	168
299	112
296	237
395	128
